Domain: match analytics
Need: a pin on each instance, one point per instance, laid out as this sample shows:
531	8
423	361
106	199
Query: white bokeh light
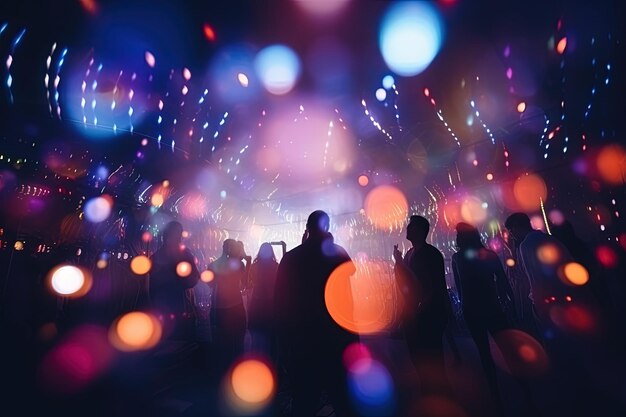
67	280
381	94
98	209
278	67
410	37
322	8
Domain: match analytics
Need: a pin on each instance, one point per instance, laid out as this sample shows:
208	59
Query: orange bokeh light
252	382
473	211
207	276
157	200
363	180
529	191
611	164
521	107
386	207
140	265
560	47
358	300
548	254
183	269
575	273
135	331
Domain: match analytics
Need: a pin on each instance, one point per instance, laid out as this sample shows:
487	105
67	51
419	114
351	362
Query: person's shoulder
431	250
186	254
291	254
340	249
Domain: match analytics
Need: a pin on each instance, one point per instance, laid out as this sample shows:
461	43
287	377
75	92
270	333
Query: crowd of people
277	312
290	325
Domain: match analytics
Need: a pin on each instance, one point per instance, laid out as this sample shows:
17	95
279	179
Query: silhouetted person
172	275
583	254
308	336
261	306
540	256
421	277
478	275
175	359
228	310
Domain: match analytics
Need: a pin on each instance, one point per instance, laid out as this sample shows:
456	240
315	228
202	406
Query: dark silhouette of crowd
276	313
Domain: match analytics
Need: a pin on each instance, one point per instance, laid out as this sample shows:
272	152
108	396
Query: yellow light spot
521	107
489	177
101	264
510	262
140	265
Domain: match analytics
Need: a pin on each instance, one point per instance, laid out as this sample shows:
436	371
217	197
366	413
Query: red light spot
606	256
209	33
579	318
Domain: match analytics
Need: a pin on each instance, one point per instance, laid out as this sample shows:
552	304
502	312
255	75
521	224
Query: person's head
229	248
467	237
318	223
518	225
240	252
417	229
564	230
172	234
266	253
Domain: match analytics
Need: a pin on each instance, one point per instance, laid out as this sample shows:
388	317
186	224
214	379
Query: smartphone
282	245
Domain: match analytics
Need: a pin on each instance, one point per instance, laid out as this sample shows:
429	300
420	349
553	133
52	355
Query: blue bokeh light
388	81
371	388
278	67
410	37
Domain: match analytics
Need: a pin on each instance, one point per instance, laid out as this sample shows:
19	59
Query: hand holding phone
397	255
